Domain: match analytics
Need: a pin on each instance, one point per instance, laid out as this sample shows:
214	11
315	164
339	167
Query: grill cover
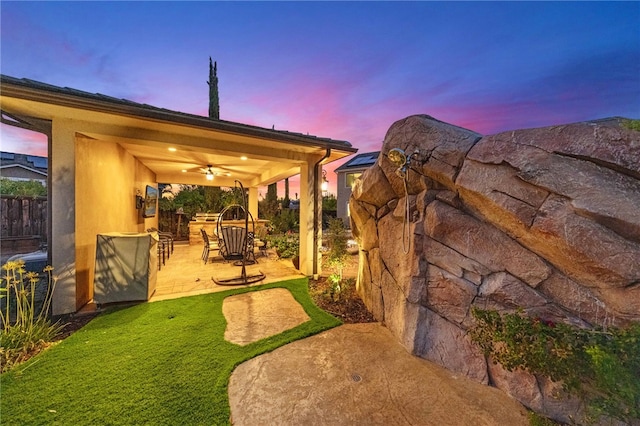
126	267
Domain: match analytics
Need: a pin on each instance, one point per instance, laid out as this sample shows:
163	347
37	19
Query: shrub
339	288
286	245
632	124
25	332
336	288
284	221
599	366
337	238
31	188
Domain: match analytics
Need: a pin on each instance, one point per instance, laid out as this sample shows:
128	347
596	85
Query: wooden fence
23	223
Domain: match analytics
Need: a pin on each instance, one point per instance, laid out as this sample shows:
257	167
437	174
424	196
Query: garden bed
348	306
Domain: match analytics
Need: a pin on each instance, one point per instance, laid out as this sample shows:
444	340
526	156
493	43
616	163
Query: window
351	178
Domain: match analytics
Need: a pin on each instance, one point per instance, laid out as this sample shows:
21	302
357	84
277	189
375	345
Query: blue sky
344	70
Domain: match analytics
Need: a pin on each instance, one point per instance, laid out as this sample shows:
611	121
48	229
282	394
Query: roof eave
10	166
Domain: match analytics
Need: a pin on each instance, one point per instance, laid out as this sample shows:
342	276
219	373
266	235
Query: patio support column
62	169
253	202
306	217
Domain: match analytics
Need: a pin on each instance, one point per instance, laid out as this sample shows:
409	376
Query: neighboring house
23	167
347	174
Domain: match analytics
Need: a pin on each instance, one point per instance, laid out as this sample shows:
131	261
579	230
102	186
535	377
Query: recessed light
172	149
243	158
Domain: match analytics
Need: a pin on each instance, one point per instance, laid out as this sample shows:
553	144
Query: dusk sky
343	70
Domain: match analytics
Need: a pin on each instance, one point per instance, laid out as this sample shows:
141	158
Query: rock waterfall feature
545	220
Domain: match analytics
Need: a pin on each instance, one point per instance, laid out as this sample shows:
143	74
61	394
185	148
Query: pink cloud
15	139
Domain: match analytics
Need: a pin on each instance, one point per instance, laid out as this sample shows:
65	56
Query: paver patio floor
185	274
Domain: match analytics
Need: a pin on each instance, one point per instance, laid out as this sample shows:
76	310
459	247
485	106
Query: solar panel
38	162
7	156
365	159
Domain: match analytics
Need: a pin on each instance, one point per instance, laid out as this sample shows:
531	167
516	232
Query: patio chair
252	244
163	248
208	245
260	241
166	238
232	240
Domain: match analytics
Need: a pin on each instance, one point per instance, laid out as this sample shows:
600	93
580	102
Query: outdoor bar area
209	222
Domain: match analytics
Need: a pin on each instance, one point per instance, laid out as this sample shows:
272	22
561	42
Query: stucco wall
343	195
107	178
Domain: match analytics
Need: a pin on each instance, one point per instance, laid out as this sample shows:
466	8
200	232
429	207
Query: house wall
21	173
93	189
344	193
106	181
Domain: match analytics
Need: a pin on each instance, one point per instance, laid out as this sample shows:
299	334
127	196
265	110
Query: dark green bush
286	245
284	221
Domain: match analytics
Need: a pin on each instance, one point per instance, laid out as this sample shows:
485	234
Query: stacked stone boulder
544	220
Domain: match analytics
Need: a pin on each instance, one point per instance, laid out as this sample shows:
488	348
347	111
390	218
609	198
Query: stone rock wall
545	220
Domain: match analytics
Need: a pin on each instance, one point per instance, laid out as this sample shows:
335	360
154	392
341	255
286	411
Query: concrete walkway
260	314
356	374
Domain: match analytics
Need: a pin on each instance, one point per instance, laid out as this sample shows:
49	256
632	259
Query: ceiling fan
210	173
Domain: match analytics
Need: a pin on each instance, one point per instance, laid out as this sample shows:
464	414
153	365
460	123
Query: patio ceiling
148	133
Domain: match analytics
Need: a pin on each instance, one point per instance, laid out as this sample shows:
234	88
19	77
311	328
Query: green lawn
154	363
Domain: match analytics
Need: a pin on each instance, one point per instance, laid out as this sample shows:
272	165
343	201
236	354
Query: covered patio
104	151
